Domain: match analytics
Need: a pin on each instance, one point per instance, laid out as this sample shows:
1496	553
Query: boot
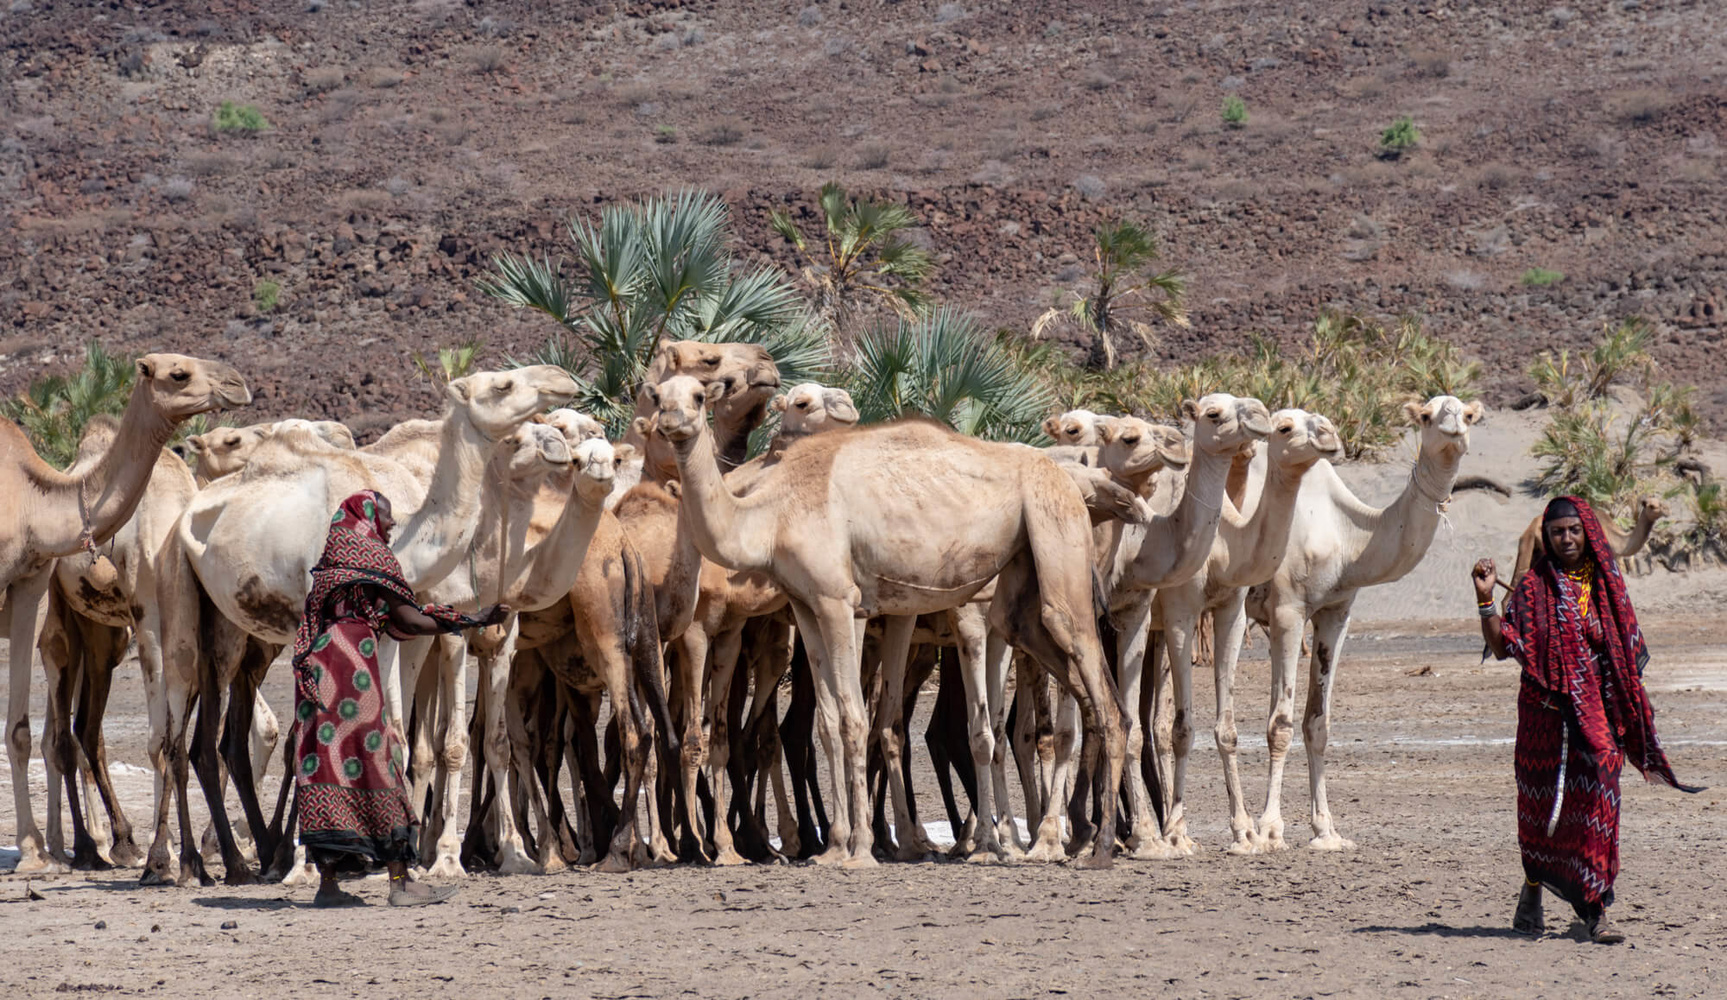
1528	919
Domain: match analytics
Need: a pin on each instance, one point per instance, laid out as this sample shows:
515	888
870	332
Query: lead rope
86	536
1559	786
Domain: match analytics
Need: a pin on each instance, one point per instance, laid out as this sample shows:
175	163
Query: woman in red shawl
1581	713
349	794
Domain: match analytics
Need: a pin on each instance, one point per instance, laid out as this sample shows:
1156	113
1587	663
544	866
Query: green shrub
1234	111
665	134
54	410
266	295
244	119
1540	277
1399	137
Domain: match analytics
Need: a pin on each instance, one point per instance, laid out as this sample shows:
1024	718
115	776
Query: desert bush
1541	277
728	132
239	119
177	189
1234	111
1639	107
863	257
649	273
450	363
323	79
1430	63
873	156
665	134
266	295
487	59
1399	137
384	77
52	412
1120	295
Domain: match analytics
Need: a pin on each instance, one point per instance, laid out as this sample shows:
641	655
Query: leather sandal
1603	931
1529	919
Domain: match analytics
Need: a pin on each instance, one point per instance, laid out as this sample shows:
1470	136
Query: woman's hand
495	614
1485	576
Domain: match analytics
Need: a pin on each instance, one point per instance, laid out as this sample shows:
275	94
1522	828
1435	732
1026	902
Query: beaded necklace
1584	577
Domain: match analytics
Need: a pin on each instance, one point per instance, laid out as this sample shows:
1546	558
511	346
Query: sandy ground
1420	776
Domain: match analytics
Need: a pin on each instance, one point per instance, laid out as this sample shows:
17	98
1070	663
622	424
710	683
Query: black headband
1558	508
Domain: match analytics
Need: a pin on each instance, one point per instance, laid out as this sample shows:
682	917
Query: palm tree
941	365
650	273
1121	294
54	410
864	255
451	363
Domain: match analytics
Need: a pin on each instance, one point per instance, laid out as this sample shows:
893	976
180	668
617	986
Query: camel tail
642	637
1059	530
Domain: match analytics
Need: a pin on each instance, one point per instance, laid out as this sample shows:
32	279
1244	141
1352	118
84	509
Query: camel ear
643	426
779	403
195	444
673	488
1475	412
1105	429
147	367
461	391
840	406
1190	409
1413	411
716	392
622	453
653	393
1051	425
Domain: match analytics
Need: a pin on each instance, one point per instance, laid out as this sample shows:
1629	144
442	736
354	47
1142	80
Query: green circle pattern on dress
320	643
348	709
363	677
351	767
309	764
305	711
374	741
367	646
327	733
370	509
336	518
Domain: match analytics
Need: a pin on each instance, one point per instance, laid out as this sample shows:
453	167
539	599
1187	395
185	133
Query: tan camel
1624	543
1134	561
898	519
1076	428
750	378
528	550
1337	546
256	582
226	450
1249	548
52	514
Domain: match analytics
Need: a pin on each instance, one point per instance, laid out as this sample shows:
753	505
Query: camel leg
424	732
1057	779
719	735
997	660
451	739
1030	714
61	645
1131	641
1176	738
180	699
219	674
833	638
690	668
1229	628
527	747
512	857
633	751
971	623
1330	627
797	741
890	730
122	849
24	609
826	718
1287	624
769	663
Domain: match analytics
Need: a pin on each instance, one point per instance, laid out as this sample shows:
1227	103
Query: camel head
575	426
179	387
1131	447
1444	423
499	402
813	407
1076	427
1299	439
531	452
747	371
226	450
1651	509
682	403
1222	423
597	463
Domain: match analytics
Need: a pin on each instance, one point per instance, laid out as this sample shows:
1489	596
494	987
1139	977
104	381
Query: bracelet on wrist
1487	610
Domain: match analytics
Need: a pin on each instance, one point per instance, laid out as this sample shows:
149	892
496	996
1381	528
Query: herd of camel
664	587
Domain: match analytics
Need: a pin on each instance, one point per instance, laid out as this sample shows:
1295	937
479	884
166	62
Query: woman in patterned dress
1581	713
349	792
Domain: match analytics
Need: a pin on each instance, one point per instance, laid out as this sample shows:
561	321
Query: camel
1076	428
1248	549
1337	546
226	450
52	514
1136	560
1624	543
256	582
961	512
527	552
750	378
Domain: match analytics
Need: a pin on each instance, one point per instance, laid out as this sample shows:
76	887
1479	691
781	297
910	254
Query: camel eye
701	397
1130	441
181	376
1427	418
1213	414
803	404
711	362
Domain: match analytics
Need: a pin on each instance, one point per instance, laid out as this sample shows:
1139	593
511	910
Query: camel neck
1400	534
724	528
1175	546
102	499
1256	548
437	536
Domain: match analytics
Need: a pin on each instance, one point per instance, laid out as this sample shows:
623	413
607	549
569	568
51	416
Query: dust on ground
1420	778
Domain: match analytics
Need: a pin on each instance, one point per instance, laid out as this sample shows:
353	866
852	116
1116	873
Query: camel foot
860	860
1181	843
728	857
1331	842
832	856
1154	850
512	861
239	875
190	873
1095	861
35	861
156	873
1046	852
304	873
1242	846
125	854
447	866
614	864
988	854
553	864
209	847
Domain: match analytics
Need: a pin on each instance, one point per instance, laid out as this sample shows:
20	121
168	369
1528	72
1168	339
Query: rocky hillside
405	148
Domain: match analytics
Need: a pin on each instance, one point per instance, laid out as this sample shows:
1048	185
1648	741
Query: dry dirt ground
1420	778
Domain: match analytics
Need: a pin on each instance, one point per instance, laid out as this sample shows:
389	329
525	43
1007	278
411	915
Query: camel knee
1181	731
18	739
1314	730
1278	733
1224	734
455	753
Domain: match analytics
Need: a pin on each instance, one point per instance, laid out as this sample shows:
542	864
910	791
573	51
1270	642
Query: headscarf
356	554
1544	630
